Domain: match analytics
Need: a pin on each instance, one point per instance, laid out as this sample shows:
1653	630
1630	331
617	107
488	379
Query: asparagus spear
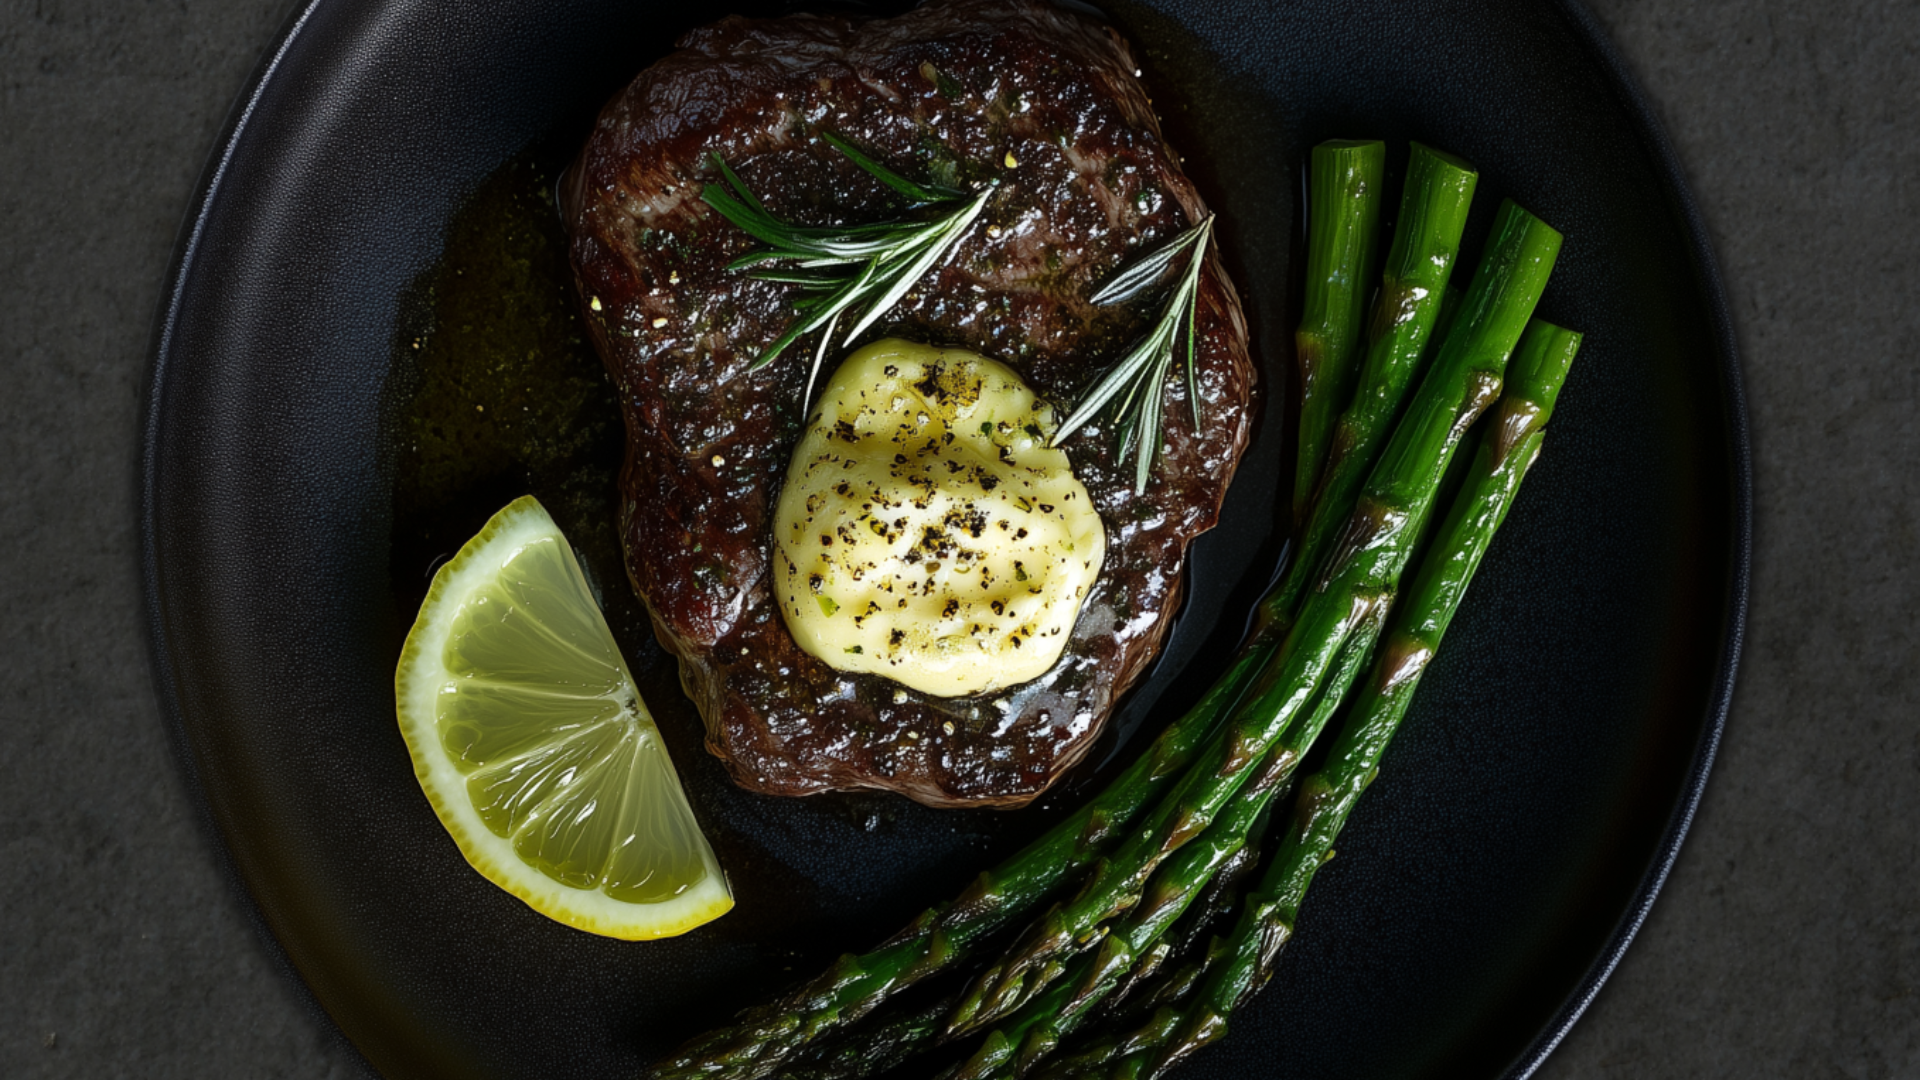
1426	241
1169	993
1343	210
1505	288
1362	571
1201	918
874	1049
1508	447
1152	986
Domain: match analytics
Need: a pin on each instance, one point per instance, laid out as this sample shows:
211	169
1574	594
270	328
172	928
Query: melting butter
926	531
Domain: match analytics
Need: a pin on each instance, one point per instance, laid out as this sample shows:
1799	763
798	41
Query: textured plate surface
1523	820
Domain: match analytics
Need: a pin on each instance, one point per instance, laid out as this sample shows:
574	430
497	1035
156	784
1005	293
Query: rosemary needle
860	271
1136	385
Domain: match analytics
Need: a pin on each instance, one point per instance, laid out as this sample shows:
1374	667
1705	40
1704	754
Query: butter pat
926	531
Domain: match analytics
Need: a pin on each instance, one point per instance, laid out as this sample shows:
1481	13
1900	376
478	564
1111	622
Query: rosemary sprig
857	270
1136	386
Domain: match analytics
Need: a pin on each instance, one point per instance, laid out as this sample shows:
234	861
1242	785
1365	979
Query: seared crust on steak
1046	104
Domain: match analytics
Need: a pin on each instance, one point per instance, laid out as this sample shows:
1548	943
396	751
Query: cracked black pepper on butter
927	532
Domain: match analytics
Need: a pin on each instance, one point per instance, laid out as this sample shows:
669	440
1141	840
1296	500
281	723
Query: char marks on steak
1046	104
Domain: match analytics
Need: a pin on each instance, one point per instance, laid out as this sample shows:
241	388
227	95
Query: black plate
1523	821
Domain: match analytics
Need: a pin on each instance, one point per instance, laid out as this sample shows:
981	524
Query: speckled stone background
1787	943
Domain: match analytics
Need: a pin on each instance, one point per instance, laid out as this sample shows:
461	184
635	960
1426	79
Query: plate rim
1706	269
161	668
1645	125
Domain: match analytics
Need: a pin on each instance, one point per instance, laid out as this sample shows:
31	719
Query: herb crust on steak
1044	103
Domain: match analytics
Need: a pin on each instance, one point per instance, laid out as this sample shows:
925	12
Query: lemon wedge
535	749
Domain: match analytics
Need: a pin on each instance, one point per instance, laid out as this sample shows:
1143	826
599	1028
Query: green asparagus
1216	900
1162	1021
880	1044
1343	211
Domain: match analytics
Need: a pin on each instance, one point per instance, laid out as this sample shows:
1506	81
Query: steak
1040	101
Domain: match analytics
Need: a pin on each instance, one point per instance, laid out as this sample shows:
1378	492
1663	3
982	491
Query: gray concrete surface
1787	943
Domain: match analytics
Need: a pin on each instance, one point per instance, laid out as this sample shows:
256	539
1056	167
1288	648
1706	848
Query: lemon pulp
534	746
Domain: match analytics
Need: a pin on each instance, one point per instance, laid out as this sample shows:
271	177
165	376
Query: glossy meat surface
1041	102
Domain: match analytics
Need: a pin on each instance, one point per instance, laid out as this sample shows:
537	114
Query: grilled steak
1046	104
